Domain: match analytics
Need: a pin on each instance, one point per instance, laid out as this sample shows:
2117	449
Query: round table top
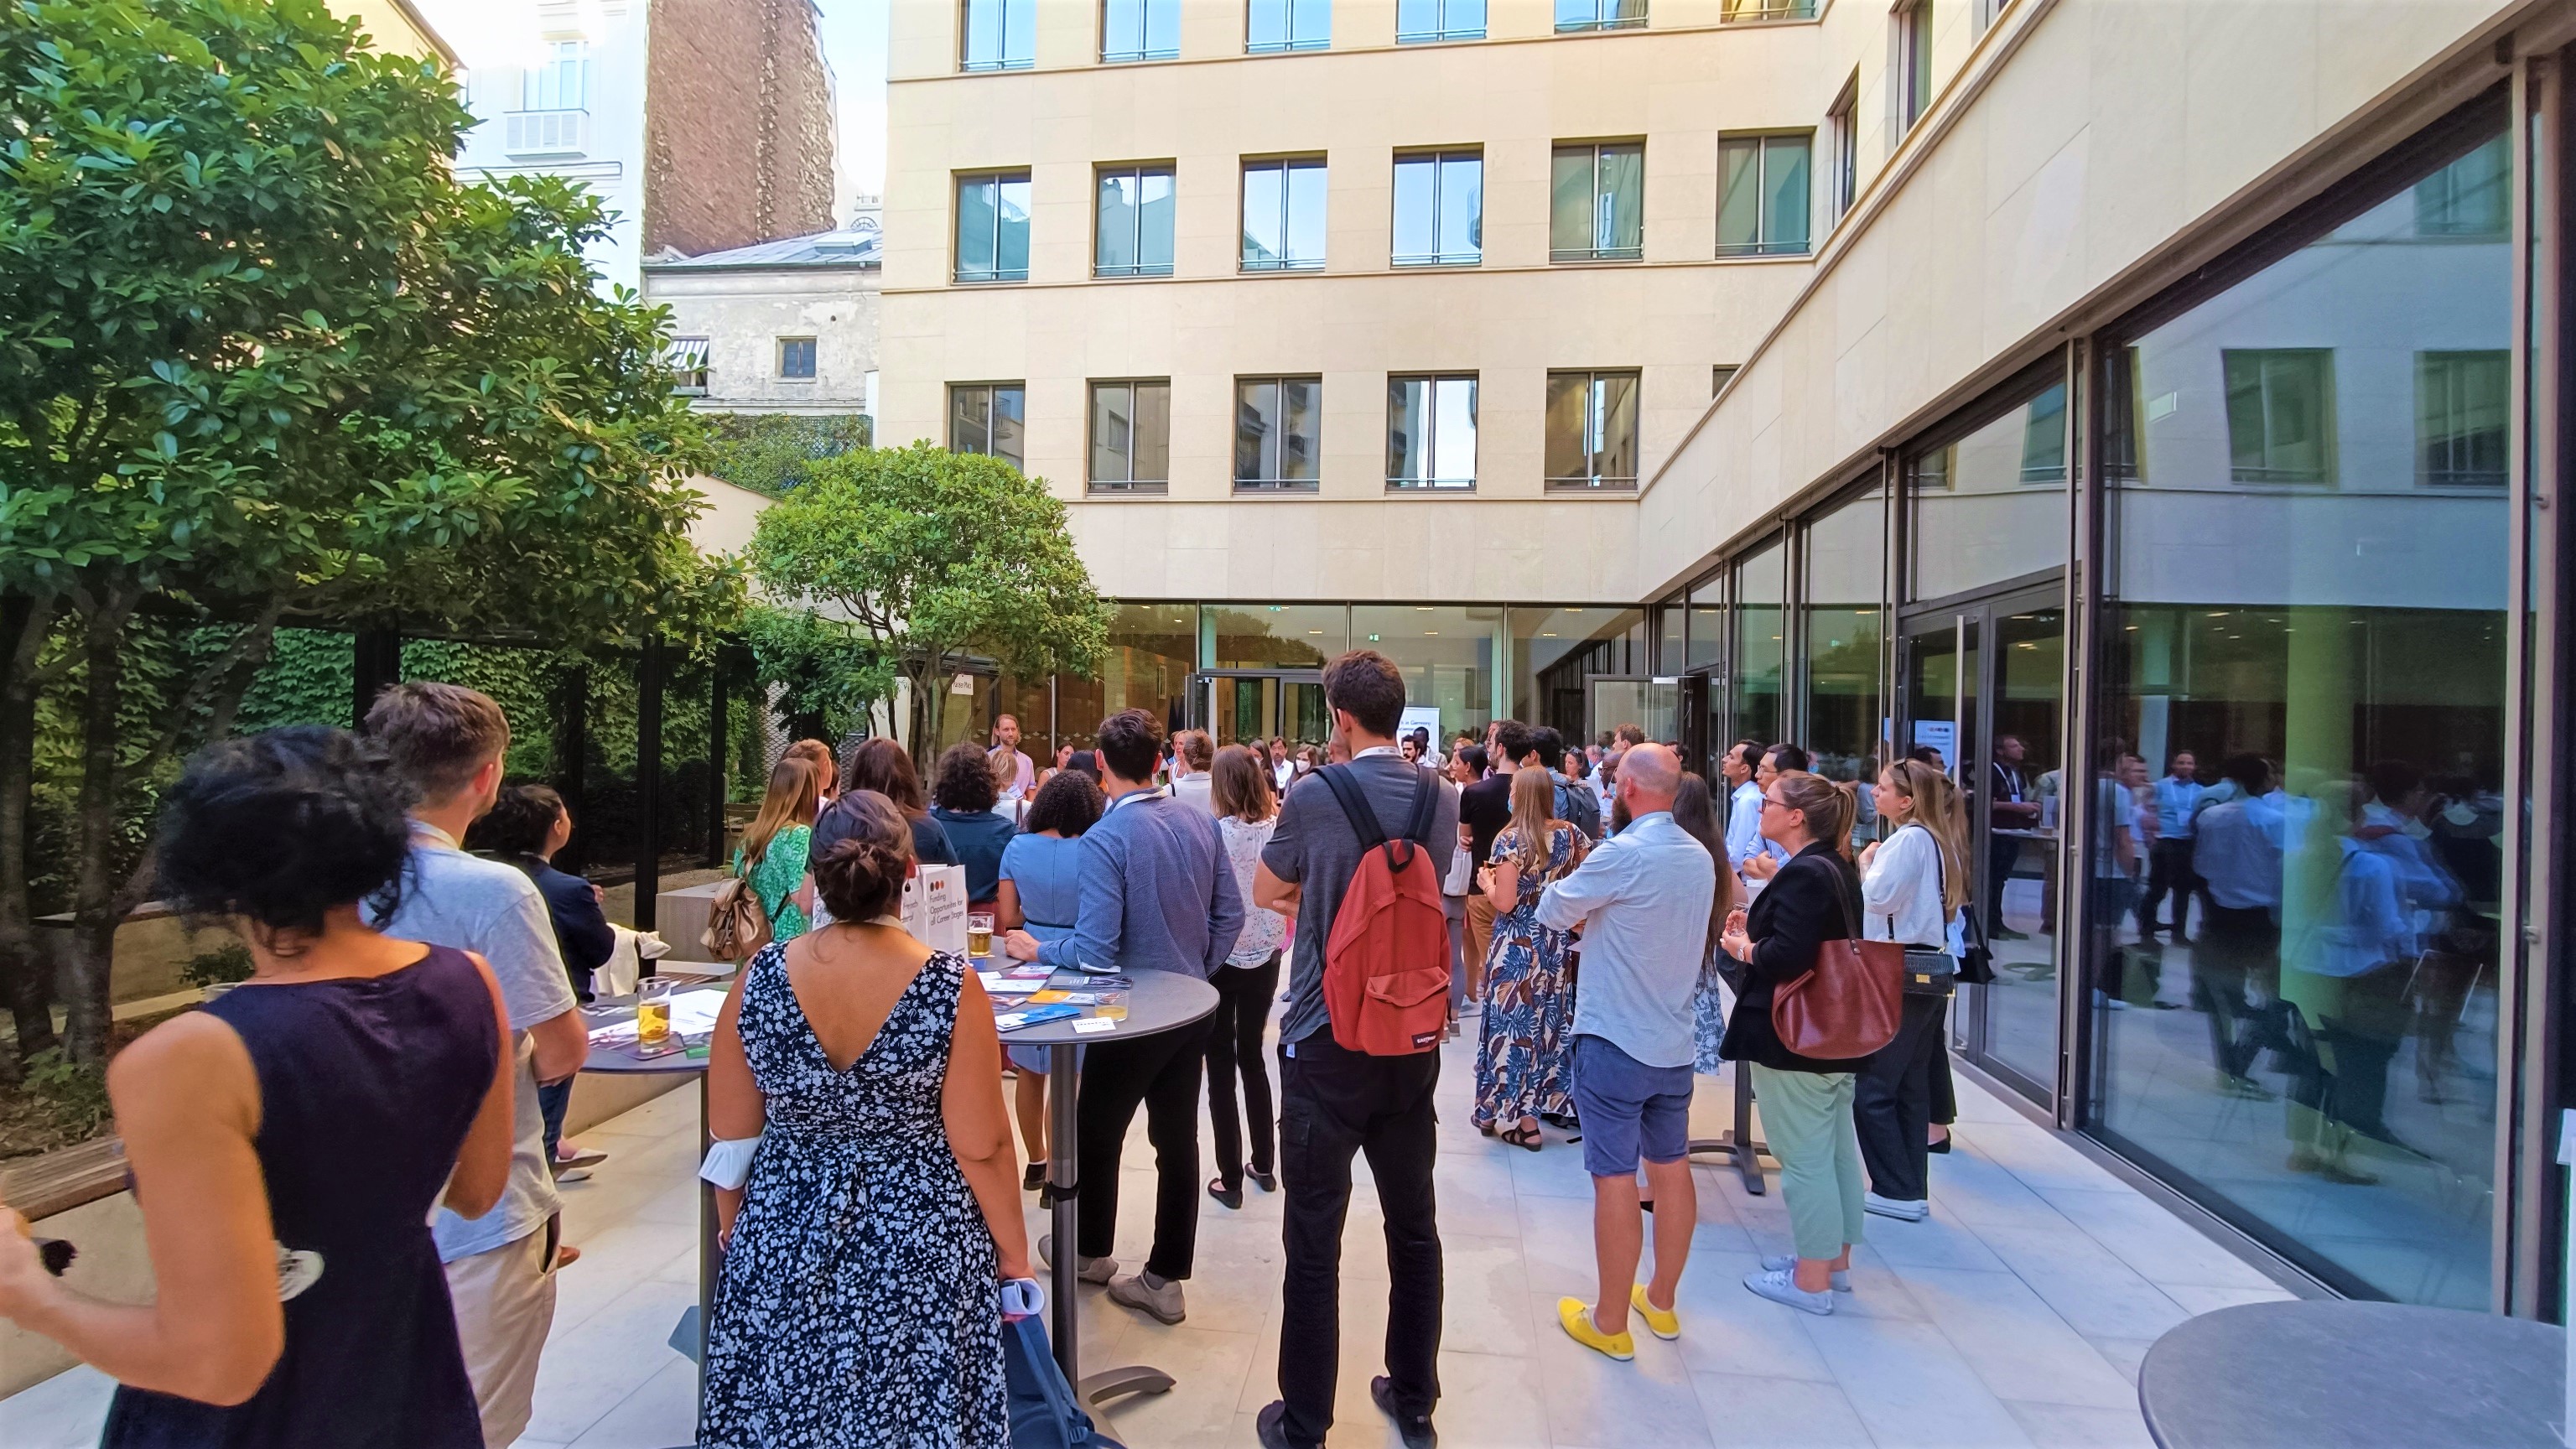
2354	1375
610	1010
1157	1002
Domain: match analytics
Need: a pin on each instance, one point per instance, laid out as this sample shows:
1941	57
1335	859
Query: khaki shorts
505	1305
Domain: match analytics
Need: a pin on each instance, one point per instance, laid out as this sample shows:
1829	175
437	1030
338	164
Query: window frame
1720	374
1284	165
2454	364
813	357
1293	45
1439	158
1274	483
966	38
1442	30
566	56
1092	482
691	360
1596	417
1101	172
1000	274
1430	445
1740	12
992	392
2318	362
1842	180
1913	55
1600	21
1145	29
1570	256
1762	246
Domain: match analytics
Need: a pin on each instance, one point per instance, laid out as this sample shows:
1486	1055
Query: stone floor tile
1912	1386
2064	1426
1747	1411
1593	1400
2017	1343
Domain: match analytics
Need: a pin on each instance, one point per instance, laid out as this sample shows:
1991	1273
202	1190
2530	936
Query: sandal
1529	1137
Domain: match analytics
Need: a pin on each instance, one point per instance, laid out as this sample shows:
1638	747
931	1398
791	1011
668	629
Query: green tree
828	674
774	452
263	358
934	556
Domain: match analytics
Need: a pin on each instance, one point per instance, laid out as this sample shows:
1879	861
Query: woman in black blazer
1806	1101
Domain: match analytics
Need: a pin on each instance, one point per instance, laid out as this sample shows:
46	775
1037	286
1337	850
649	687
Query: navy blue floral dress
857	1304
1521	1062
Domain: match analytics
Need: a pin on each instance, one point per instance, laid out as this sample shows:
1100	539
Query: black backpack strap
1426	799
1355	806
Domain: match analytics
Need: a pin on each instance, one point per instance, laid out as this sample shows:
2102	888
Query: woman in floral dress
1529	1005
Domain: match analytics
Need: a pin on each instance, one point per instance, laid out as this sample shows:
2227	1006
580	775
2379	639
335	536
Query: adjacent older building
781	327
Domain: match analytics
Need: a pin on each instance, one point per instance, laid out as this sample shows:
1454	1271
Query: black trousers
2169	869
1333	1103
1162	1073
1892	1103
1234	1044
2237	946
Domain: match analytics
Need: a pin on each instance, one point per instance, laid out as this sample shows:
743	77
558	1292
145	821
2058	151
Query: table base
1064	1138
1738	1142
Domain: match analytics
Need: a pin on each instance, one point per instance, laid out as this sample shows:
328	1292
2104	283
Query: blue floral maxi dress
857	1305
1529	1006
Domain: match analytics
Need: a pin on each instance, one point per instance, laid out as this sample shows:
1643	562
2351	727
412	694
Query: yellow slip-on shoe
1576	1316
1665	1323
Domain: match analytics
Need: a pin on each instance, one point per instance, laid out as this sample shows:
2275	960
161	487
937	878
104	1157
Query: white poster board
1421	716
1942	735
934	907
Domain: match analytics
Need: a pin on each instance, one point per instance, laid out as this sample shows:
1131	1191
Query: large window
1736	10
1431	432
989	417
796	359
993	227
1591	430
1839	629
1580	15
1278	433
2462	413
1131	436
559	83
998	35
2466	198
2315	682
1556	651
1421	21
1133	229
1153	650
1450	657
1597	202
2280	414
1762	200
1439	209
1278	25
1913	57
1140	30
1283	215
1761	587
1707	622
1842	166
1989	505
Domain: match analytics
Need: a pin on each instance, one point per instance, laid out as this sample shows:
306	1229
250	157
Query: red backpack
1386	963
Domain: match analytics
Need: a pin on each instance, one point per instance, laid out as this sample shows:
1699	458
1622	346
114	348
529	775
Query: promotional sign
1422	716
934	907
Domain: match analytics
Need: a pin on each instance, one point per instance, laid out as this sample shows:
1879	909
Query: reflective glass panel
1991	506
1448	655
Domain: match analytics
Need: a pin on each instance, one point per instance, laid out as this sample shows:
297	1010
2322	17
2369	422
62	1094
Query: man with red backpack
1358	860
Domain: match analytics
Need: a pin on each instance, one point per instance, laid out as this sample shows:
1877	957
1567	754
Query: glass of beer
979	934
653	1013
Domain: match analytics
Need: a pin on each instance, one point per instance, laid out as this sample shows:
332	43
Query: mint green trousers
1807	1120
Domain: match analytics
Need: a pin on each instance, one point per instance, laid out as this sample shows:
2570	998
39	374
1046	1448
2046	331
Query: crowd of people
347	1167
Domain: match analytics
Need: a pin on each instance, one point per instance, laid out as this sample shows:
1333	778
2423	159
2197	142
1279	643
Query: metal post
717	771
648	781
572	750
1064	1137
376	665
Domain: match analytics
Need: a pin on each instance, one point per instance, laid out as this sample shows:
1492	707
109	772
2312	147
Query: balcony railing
546	133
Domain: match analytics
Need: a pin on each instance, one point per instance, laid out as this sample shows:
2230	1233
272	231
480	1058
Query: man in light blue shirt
1744	806
2169	858
1642	898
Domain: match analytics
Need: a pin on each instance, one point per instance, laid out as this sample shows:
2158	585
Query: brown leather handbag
1850	1003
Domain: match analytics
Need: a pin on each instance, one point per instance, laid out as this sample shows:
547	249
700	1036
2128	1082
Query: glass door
1245	706
1650	704
1982	695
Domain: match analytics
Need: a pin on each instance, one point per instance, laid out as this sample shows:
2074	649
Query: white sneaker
1089	1270
1900	1208
1788	1263
1779	1287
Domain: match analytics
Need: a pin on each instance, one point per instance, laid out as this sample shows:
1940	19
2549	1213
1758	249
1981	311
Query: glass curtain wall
1554	651
2303	704
1840	633
1274	636
1450	655
1761	583
1153	649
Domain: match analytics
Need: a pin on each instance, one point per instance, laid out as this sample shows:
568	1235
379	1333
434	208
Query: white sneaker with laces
1913	1211
1779	1287
1788	1263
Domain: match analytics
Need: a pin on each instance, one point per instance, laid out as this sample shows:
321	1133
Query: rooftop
848	247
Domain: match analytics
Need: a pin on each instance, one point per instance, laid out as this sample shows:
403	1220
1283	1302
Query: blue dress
366	1088
1047	872
1521	1060
857	1305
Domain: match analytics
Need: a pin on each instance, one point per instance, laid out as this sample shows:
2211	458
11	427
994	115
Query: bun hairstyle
276	829
1829	806
861	876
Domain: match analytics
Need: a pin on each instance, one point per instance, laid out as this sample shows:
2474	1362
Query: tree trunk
94	888
929	709
219	693
24	980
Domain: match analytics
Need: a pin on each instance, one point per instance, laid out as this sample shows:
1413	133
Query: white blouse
1263	931
1900	894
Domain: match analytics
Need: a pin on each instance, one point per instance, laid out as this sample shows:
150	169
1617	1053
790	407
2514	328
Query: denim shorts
1629	1110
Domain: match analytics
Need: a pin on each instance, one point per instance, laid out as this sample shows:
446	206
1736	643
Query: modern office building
2153	413
704	124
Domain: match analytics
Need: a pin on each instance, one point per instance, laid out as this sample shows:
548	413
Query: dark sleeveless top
366	1089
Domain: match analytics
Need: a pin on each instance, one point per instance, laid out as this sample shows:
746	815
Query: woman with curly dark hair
962	797
288	1141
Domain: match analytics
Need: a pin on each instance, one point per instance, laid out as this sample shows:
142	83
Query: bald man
1642	897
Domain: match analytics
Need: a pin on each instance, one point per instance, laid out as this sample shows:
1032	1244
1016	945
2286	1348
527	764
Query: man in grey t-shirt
449	742
1334	1103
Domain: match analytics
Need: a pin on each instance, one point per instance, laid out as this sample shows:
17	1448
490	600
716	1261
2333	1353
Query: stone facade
738	129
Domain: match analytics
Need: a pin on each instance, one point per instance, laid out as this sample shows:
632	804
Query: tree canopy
264	357
934	556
